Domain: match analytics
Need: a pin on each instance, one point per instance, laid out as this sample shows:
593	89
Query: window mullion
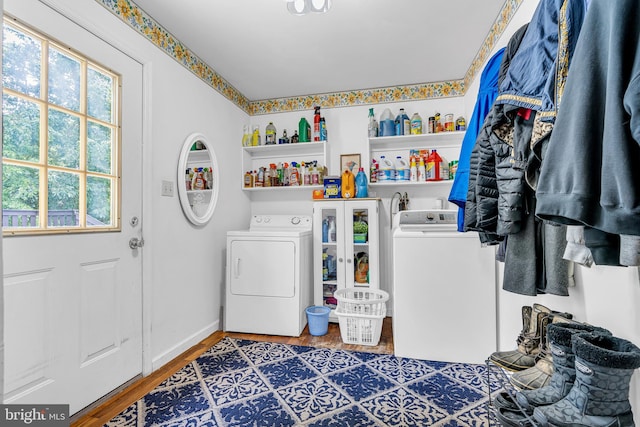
44	137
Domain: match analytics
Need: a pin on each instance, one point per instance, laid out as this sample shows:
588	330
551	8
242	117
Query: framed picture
351	162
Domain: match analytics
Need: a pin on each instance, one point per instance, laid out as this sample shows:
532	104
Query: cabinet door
362	266
329	251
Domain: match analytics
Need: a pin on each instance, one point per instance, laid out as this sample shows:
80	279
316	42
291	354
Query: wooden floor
112	406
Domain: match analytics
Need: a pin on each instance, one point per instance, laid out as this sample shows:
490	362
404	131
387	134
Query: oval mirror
198	179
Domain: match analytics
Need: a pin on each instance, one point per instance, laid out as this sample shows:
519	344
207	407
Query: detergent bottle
304	130
413	170
348	184
433	166
402	123
361	184
387	124
422	170
246	136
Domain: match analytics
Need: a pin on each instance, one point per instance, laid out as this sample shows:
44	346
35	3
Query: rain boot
600	394
524	356
564	373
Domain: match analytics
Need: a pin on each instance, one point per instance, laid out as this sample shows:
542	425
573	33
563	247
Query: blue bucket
318	319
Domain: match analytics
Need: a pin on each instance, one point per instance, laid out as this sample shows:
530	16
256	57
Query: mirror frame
182	190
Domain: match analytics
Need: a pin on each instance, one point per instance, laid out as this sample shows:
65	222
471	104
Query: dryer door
262	268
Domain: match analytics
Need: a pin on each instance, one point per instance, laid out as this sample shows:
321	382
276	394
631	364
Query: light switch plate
167	188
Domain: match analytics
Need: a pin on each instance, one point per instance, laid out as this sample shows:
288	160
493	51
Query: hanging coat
486	95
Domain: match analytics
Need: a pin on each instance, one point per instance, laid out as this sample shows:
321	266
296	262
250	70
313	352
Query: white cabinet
344	258
255	157
446	143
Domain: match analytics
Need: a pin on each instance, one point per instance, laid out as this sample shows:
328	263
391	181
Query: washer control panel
283	222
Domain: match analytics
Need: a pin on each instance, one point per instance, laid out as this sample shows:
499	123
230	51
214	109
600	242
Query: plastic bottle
304	130
287	175
422	170
270	134
295	137
433	166
332	229
413	170
323	129
246	136
387	170
374	171
402	169
316	124
416	124
373	125
402	123
255	136
361	184
284	139
325	230
348	184
294	175
387	125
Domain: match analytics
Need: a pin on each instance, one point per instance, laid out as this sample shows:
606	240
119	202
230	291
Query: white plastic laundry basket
360	314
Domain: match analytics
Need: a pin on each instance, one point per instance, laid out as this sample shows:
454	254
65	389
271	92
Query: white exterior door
72	306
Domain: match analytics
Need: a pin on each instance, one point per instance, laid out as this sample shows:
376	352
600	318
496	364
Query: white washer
269	276
444	290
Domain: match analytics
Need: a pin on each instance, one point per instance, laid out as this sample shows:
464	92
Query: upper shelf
440	139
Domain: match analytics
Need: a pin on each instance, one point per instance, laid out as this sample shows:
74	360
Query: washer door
265	268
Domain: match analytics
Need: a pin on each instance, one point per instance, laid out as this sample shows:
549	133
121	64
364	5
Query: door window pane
21	128
21	62
98	201
20	196
64	80
63	199
98	148
64	139
99	95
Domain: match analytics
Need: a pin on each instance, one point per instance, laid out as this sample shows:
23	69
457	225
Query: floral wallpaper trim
137	19
359	97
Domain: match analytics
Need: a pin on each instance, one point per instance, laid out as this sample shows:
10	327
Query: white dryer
269	276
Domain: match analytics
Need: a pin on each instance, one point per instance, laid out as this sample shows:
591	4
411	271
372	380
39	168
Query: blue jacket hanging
486	95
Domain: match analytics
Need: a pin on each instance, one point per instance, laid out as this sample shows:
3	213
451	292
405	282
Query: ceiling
265	52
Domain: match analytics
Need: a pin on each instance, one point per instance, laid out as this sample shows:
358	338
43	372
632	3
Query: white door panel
73	303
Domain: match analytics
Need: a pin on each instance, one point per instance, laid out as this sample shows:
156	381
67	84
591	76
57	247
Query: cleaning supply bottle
255	136
402	169
416	124
295	137
316	124
323	129
387	170
361	184
348	184
374	171
413	170
270	134
433	166
373	125
422	170
332	229
246	136
294	175
387	125
325	230
402	123
304	130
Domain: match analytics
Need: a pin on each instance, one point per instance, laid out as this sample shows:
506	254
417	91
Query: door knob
135	243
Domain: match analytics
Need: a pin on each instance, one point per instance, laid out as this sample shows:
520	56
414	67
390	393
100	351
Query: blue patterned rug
250	383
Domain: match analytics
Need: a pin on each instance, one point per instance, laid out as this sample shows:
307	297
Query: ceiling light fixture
302	7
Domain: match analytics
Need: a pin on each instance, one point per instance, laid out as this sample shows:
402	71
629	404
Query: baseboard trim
164	358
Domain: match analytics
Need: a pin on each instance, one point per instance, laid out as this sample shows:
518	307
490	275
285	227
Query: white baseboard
184	345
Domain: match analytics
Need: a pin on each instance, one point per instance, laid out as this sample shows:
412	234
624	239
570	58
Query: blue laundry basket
318	319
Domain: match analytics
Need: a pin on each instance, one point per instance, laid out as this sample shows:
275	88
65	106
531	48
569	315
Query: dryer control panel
280	222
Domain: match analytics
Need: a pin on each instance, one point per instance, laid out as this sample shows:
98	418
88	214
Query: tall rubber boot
600	394
564	373
524	356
